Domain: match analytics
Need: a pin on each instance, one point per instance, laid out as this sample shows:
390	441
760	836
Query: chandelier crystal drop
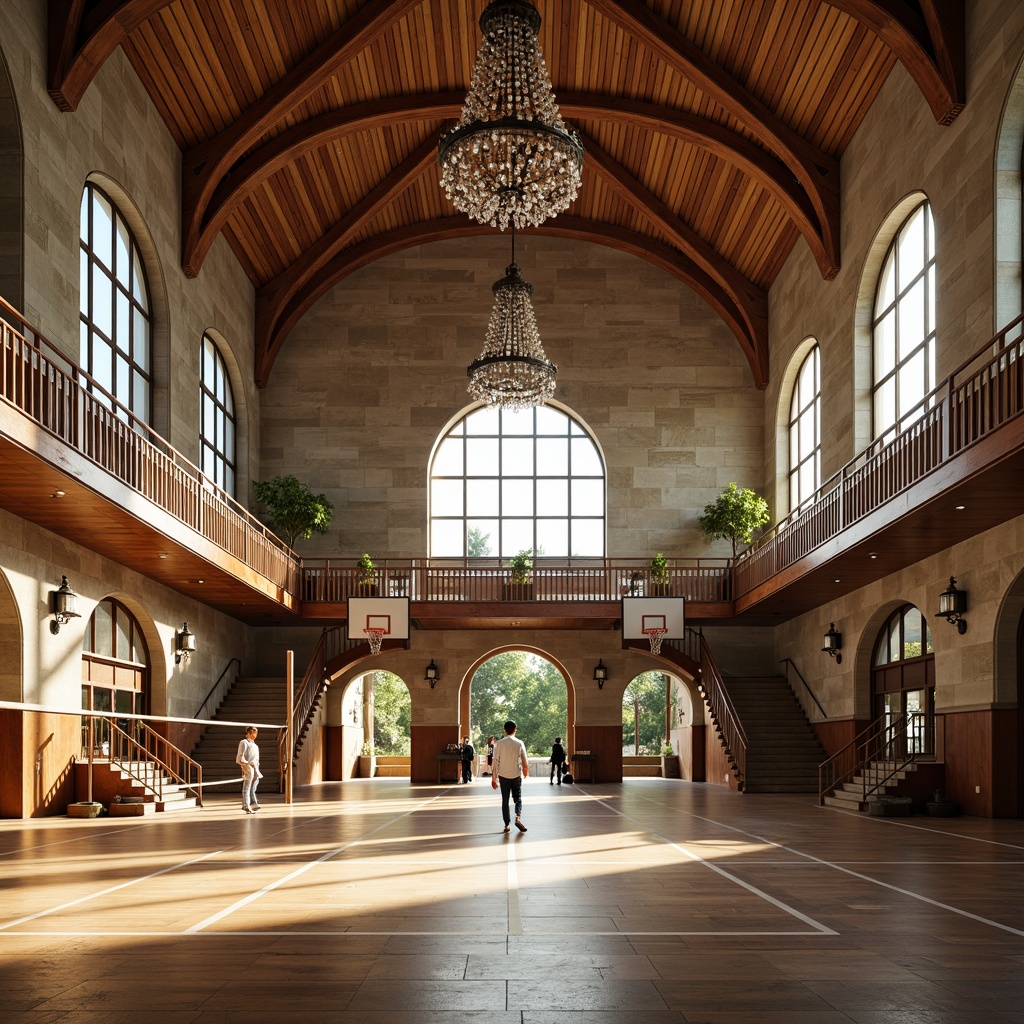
512	372
511	158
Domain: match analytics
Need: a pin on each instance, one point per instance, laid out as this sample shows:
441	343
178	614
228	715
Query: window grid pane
217	428
805	431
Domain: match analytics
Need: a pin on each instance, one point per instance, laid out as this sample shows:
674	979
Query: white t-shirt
248	753
510	757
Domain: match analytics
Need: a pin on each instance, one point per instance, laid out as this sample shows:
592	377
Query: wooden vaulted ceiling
713	129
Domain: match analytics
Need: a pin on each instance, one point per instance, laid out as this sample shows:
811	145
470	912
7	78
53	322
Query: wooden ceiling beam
275	298
357	256
205	165
749	301
81	37
930	44
816	170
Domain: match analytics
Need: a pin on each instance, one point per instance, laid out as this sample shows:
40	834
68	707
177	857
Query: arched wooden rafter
622	239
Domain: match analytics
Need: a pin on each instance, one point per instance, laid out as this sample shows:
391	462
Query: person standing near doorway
510	767
490	756
557	761
248	758
468	756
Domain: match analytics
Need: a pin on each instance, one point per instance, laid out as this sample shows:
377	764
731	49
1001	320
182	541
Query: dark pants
467	771
560	767
513	788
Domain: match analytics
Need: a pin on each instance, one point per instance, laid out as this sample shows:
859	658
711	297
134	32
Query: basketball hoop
655	635
374	636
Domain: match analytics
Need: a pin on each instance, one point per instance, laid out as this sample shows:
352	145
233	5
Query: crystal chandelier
511	158
512	372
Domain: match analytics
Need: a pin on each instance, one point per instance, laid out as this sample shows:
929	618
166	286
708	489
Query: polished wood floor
377	902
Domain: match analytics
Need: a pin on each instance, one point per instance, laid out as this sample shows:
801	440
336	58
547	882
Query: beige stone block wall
117	136
374	375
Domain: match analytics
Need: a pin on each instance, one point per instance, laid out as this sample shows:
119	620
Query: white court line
821	929
252	897
515	916
106	892
856	874
268	932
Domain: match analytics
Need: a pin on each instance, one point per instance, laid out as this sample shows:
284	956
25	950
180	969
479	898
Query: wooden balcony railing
978	398
37	379
487	580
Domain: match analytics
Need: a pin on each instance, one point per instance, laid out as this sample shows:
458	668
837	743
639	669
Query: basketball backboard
640	613
388	613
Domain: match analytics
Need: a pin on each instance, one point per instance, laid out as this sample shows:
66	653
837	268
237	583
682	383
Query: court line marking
497	936
853	874
63	842
252	897
515	917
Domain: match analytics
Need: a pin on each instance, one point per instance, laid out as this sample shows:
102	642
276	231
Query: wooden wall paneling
12	765
427	741
605	743
833	735
51	743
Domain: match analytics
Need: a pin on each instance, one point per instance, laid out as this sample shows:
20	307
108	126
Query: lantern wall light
600	673
832	643
432	676
184	644
952	605
63	604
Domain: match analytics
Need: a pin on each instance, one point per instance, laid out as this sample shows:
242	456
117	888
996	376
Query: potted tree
292	509
366	582
367	761
734	516
659	576
669	762
519	587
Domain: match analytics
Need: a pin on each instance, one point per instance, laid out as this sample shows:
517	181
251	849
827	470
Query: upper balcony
75	461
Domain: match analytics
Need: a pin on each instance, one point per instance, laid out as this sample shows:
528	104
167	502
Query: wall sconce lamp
432	676
832	642
64	603
184	644
600	673
952	605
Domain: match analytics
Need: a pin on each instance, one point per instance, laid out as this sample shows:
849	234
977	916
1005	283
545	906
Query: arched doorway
115	671
903	678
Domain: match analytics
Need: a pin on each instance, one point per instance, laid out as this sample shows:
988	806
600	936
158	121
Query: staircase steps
138	788
850	795
783	752
250	699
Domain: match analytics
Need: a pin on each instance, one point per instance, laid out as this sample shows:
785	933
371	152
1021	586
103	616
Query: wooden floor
647	902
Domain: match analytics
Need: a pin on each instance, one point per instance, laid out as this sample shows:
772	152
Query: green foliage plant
365	567
659	569
292	509
734	516
521	564
367	750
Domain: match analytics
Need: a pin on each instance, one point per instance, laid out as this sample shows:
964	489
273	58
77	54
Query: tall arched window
502	482
216	418
903	677
115	670
903	327
805	431
116	320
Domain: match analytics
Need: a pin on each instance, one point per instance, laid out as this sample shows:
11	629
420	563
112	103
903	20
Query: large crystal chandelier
512	372
511	157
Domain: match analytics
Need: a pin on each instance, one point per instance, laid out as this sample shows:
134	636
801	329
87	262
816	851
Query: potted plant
734	516
367	761
659	575
367	579
669	762
519	586
292	509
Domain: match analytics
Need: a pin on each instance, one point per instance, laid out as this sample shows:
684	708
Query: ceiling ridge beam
79	41
930	45
750	299
816	170
274	298
204	165
651	250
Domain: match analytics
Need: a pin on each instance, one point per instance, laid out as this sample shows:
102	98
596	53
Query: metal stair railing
789	663
162	760
880	743
723	711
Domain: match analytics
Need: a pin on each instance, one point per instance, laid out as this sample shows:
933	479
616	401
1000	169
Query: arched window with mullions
503	482
805	431
116	320
903	681
903	327
216	418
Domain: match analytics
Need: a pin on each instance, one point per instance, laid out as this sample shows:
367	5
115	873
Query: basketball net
655	635
375	636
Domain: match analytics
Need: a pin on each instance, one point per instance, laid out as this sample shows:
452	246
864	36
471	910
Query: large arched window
502	482
805	431
116	321
903	677
903	327
216	418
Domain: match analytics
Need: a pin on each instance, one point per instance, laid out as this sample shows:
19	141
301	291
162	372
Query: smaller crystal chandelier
512	372
511	158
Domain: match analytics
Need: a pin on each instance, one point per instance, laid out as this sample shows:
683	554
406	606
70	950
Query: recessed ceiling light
960	508
837	580
163	554
57	494
872	554
200	581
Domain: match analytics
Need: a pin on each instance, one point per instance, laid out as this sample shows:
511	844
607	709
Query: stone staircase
250	699
783	752
130	789
915	781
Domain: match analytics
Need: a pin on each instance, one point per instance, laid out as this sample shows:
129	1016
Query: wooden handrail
161	757
213	688
789	663
44	385
723	712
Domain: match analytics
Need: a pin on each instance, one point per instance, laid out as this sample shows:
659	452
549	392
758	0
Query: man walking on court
510	768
